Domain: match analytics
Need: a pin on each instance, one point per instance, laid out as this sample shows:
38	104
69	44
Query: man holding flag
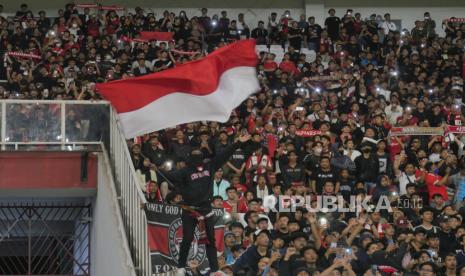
196	186
206	89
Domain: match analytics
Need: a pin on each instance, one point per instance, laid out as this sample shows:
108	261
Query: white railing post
3	126
131	197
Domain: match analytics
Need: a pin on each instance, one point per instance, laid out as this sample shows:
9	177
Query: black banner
164	235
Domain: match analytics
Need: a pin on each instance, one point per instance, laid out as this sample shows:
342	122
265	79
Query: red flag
205	89
161	36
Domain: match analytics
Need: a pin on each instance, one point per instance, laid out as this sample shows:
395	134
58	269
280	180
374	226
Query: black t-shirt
313	33
237	158
297	39
293	174
332	24
321	177
345	188
156	156
232	34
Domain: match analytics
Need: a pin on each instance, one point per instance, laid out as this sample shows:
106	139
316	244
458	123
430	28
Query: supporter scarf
307	133
426	131
457	20
23	55
148	190
104	8
203	239
455	129
399	131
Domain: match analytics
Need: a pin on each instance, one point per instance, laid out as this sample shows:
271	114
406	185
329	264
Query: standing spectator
387	25
312	34
273	28
430	26
223	22
260	34
419	31
332	25
242	27
295	36
367	167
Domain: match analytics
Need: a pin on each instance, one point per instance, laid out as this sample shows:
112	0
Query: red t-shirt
227	206
270	65
288	67
431	180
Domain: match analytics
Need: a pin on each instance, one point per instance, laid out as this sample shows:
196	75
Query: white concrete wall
109	249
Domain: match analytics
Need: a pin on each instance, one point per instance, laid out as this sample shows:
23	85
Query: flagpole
172	186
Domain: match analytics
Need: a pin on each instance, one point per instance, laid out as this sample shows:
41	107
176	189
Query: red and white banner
164	234
457	20
84	6
96	6
455	129
23	55
307	133
112	8
205	89
426	131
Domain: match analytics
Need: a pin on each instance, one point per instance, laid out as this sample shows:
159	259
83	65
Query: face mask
196	160
75	25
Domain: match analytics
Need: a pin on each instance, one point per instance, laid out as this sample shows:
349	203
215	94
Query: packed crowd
320	127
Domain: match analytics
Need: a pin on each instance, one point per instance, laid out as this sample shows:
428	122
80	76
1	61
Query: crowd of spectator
319	127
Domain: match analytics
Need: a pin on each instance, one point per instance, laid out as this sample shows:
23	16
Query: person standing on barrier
196	186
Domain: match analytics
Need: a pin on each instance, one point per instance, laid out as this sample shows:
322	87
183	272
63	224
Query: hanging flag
160	36
164	234
205	89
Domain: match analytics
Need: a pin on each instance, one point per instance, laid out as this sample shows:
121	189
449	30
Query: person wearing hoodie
367	167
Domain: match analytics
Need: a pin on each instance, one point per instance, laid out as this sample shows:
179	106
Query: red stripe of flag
199	78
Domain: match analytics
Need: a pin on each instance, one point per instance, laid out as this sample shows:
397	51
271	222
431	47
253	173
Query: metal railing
63	125
45	239
131	198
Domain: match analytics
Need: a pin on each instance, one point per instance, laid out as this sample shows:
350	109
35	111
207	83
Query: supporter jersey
431	180
228	207
454	119
321	177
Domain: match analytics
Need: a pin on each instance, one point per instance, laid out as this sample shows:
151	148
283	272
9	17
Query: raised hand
244	138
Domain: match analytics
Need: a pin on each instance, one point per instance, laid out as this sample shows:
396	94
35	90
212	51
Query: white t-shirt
388	26
404	180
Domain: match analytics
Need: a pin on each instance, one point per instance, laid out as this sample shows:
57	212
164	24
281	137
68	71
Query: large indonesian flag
207	89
